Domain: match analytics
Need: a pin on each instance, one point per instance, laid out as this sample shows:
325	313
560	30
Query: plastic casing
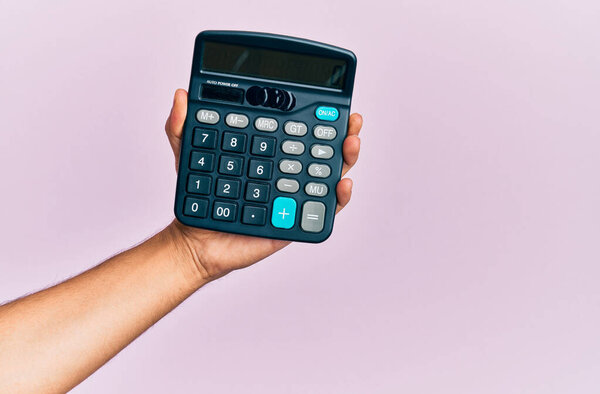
308	98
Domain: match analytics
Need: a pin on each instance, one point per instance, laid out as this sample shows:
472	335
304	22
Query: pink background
468	261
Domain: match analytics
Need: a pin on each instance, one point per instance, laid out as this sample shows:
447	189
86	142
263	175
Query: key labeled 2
228	188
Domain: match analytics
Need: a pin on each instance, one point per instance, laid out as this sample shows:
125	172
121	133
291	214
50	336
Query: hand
216	253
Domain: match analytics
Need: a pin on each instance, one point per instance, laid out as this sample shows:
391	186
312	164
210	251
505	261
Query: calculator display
273	64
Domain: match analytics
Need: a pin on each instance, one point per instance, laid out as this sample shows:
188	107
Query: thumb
174	124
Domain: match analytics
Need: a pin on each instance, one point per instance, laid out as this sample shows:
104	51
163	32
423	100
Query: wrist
184	255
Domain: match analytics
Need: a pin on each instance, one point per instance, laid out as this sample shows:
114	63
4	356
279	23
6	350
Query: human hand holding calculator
264	144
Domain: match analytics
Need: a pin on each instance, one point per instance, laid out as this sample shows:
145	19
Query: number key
234	142
229	188
258	192
263	146
205	138
260	169
202	161
195	207
224	211
199	184
231	165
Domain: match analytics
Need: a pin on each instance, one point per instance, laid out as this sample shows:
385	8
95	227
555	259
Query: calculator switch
265	124
275	98
289	101
224	211
284	212
316	189
238	121
290	166
263	146
313	216
256	95
319	170
199	184
207	116
292	147
297	129
287	185
195	207
228	188
205	138
202	161
258	192
329	114
234	142
260	169
324	132
321	151
231	165
256	216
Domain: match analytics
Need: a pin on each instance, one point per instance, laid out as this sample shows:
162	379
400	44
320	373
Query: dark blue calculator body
261	153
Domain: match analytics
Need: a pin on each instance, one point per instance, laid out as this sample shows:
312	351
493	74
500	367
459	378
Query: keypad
202	161
228	188
319	170
234	142
205	138
258	192
260	169
263	146
287	185
256	216
231	165
253	170
297	129
199	184
238	121
265	124
290	147
290	166
195	207
225	211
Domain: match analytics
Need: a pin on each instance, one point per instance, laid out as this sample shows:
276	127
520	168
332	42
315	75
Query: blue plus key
284	212
329	114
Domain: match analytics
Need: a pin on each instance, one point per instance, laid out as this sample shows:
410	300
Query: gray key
290	166
207	116
292	147
238	121
313	216
265	124
295	128
324	132
321	152
319	170
287	185
316	189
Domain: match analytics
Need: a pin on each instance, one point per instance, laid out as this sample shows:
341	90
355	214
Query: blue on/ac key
329	114
284	212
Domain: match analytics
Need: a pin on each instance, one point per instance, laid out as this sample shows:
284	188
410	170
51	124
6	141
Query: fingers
355	124
351	147
344	192
174	125
350	150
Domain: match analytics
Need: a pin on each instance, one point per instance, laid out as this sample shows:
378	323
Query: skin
52	340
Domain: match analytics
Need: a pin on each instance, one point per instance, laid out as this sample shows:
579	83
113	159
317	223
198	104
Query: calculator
261	150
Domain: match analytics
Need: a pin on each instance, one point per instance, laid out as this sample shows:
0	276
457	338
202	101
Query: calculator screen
273	64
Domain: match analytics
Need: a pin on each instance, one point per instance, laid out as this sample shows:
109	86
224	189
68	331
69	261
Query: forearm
52	340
